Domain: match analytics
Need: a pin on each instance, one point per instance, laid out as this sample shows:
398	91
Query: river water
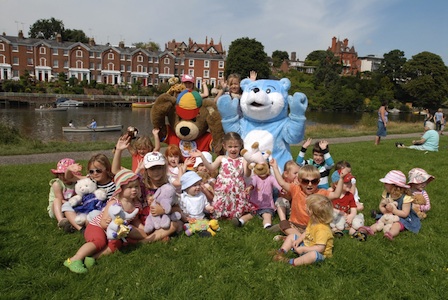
47	126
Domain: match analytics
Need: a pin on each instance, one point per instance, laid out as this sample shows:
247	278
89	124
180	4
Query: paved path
54	157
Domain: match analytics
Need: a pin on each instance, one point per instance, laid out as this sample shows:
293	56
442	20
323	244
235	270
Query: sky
373	27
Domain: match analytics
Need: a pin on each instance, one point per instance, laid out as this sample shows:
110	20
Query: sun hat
123	177
207	156
395	177
188	179
187	78
348	178
152	159
418	175
188	104
62	165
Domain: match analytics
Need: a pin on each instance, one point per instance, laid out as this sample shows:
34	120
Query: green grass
235	264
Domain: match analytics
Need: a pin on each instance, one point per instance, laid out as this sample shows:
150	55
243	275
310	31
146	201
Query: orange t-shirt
298	204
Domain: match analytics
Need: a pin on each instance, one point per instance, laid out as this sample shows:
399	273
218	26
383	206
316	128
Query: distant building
45	59
369	63
348	57
293	64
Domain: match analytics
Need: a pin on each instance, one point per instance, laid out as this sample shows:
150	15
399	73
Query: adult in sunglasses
308	178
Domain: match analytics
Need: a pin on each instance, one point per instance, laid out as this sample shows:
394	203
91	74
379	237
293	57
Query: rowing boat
51	109
142	104
97	129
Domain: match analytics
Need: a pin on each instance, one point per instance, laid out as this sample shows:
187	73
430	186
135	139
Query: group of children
200	188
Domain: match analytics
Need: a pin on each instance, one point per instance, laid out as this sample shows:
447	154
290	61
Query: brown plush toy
419	200
193	123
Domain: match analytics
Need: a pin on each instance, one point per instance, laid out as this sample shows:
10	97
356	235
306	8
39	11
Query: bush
9	135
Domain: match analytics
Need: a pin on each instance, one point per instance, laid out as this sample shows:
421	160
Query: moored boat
40	109
70	103
142	104
97	129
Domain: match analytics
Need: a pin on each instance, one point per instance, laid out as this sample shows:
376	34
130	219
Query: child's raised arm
155	133
122	144
285	185
210	166
338	190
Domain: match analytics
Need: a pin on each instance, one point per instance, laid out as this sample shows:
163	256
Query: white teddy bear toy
119	227
338	223
88	201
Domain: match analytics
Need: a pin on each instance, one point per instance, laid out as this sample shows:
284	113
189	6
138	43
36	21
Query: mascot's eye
193	120
268	91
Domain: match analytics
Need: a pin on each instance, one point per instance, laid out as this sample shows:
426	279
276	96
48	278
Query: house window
2	47
206	73
122	57
43	62
110	66
150	70
166	61
220	74
92	66
110	56
140	68
42	50
166	70
221	64
191	73
128	68
140	58
206	64
122	68
191	63
65	63
98	66
55	51
15	73
98	55
55	63
15	48
156	70
78	53
65	52
79	64
156	81
29	48
150	59
91	54
156	60
29	61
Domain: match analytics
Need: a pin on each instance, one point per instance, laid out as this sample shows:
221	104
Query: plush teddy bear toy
358	221
164	196
385	222
338	223
119	227
268	115
419	199
88	201
200	226
193	123
254	156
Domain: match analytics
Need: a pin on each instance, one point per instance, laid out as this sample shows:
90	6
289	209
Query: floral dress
230	198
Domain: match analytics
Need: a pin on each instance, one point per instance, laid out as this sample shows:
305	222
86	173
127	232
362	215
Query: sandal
89	262
366	230
75	266
388	236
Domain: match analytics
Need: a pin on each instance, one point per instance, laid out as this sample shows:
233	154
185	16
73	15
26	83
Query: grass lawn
235	264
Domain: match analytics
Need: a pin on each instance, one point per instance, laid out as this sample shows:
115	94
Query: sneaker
274	228
279	237
373	213
75	266
338	234
89	262
204	233
236	222
362	237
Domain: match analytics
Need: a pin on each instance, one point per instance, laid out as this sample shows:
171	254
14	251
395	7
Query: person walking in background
438	117
382	122
428	116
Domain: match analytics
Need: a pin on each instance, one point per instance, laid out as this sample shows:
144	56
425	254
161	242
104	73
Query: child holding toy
396	189
61	190
100	170
232	86
308	177
193	202
127	196
345	206
354	190
418	180
230	200
316	243
141	146
322	160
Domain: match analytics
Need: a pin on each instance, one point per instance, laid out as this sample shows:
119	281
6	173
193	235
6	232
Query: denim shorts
262	211
319	256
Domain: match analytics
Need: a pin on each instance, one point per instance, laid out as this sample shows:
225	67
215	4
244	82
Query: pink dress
230	198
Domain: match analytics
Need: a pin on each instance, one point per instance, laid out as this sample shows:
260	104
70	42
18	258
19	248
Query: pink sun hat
62	165
395	177
418	175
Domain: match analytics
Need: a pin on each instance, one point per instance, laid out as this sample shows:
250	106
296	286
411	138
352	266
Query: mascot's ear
286	83
244	83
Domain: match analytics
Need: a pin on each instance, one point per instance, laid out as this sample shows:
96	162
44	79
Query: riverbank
85	155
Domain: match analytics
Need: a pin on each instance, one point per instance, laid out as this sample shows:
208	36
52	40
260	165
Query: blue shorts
319	256
262	211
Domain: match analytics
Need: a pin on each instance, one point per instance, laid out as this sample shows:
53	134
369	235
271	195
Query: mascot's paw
227	106
298	104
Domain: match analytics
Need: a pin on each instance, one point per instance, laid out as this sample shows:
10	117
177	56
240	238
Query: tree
151	46
428	82
247	55
316	57
278	57
328	69
46	29
74	35
392	65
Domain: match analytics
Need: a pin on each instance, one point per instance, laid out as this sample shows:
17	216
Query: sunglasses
307	181
98	171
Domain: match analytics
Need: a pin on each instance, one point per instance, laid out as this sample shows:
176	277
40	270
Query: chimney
345	42
59	38
121	45
20	34
91	42
293	56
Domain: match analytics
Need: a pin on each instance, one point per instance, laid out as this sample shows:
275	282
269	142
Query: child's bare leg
305	259
161	233
71	215
238	222
57	204
281	211
287	244
267	220
88	249
395	229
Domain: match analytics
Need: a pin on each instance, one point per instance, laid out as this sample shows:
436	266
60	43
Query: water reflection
47	126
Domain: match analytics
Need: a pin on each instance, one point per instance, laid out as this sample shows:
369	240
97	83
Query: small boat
70	103
97	129
142	104
40	109
394	111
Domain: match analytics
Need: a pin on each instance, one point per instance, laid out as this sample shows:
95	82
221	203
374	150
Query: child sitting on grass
322	160
353	189
316	243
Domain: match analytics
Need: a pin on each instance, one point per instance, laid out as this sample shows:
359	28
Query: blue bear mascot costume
266	114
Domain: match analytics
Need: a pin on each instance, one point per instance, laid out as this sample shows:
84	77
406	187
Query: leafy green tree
152	46
46	29
428	82
278	57
247	55
74	35
328	70
392	65
316	57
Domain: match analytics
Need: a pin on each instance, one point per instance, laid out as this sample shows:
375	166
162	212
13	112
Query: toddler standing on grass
316	243
61	190
396	189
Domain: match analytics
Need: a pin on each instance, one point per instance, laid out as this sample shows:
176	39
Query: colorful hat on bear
418	175
123	177
62	165
395	177
188	104
188	179
187	78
